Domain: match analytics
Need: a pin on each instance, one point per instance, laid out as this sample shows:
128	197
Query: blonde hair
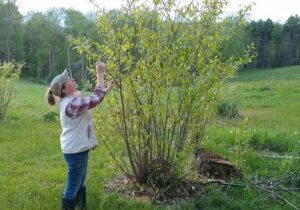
50	97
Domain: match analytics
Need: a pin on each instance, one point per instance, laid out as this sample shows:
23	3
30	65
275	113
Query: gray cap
58	81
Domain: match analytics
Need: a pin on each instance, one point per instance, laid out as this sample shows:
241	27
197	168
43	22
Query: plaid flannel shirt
80	104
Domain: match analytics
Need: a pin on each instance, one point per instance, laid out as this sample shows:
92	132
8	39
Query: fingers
100	67
100	64
114	81
111	84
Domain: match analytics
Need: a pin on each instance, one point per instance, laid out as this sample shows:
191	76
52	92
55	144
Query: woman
77	137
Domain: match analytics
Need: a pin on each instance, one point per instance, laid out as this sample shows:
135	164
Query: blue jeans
77	167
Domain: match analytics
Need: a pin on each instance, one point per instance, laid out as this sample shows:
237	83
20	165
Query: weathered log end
212	165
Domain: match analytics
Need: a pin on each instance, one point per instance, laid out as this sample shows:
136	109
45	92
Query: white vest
77	134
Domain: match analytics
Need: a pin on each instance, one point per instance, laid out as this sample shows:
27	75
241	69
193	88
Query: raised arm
81	104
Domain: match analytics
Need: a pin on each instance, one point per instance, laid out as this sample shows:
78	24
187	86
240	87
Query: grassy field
270	97
32	170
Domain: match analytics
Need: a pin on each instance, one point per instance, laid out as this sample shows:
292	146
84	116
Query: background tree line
41	40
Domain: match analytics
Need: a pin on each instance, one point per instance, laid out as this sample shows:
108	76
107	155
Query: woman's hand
100	68
110	85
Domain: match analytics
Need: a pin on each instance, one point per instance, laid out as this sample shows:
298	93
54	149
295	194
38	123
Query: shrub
9	75
50	116
228	109
169	73
86	85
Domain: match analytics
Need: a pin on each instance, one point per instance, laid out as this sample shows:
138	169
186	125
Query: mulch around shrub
172	195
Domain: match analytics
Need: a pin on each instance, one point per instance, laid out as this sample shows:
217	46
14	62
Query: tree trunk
68	53
49	62
7	46
8	29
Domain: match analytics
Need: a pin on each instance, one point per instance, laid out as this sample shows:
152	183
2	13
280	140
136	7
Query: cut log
212	165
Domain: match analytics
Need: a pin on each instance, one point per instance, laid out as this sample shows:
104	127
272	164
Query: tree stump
211	165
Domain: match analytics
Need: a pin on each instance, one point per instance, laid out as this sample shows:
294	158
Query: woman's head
62	85
70	87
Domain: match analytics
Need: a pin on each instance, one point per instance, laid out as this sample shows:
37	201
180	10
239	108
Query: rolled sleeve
80	104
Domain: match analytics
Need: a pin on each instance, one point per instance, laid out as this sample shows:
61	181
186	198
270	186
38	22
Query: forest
42	40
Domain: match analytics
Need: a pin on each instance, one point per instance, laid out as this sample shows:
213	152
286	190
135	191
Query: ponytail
51	98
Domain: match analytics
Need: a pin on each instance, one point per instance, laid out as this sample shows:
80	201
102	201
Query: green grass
32	169
269	97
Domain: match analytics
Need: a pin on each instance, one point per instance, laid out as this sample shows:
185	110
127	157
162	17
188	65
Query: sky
277	10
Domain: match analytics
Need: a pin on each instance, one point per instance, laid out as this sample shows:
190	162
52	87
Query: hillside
32	170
